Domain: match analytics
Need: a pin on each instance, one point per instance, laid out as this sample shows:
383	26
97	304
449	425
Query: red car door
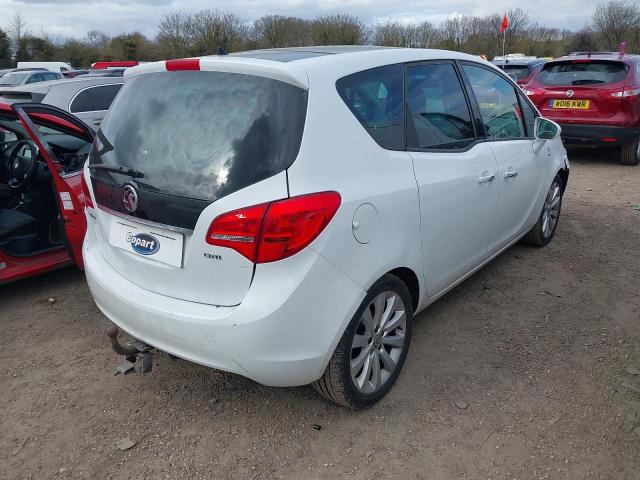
68	187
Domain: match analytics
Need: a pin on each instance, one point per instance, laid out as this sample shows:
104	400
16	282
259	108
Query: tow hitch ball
138	355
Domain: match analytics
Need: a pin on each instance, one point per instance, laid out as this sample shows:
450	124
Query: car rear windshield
582	72
520	71
14	78
199	134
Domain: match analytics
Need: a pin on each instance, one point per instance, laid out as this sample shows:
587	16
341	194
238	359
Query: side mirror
545	129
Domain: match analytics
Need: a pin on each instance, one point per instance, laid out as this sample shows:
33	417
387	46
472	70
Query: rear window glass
200	134
11	79
520	71
579	72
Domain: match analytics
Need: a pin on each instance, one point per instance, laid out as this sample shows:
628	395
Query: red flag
505	23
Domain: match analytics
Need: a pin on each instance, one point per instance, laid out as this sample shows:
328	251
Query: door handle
97	122
510	174
486	178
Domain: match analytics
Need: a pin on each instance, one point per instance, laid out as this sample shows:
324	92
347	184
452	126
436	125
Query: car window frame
89	88
516	90
465	92
402	65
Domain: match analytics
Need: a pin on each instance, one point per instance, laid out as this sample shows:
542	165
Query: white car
283	214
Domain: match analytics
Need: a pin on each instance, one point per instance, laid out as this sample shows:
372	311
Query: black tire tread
331	385
629	154
535	236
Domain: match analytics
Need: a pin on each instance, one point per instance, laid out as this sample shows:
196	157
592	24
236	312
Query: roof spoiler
17	96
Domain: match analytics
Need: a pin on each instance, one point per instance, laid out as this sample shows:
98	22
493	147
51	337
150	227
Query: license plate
575	104
157	244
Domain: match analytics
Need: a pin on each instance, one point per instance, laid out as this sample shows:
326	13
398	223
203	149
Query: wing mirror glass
545	129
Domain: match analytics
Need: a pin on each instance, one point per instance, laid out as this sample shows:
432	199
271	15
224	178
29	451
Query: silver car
26	77
88	98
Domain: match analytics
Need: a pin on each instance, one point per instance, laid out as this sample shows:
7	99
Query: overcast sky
76	17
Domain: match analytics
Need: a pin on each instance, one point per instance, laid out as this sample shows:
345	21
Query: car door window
35	78
438	113
94	98
50	76
528	115
375	97
498	103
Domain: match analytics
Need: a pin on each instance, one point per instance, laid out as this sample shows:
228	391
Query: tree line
182	34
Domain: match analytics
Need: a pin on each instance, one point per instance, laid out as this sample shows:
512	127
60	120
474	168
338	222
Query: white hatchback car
283	214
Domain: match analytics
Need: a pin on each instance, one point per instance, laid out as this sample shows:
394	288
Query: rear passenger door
455	170
508	122
91	104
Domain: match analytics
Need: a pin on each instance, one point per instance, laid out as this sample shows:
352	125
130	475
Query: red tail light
273	231
87	193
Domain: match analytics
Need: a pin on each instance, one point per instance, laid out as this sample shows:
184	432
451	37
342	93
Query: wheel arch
410	279
563	173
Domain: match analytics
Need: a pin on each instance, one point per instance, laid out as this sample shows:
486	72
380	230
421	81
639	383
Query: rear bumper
598	135
282	334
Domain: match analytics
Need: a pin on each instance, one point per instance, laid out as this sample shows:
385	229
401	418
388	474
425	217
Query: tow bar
138	355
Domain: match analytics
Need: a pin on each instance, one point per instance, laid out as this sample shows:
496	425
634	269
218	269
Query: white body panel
423	212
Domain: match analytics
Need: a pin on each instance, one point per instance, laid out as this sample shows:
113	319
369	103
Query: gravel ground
528	370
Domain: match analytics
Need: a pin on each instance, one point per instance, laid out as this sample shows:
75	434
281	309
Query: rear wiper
586	82
129	172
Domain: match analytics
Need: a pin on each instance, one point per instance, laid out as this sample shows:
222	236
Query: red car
524	70
596	100
42	220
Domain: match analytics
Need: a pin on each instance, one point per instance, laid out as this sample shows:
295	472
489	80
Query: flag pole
504	58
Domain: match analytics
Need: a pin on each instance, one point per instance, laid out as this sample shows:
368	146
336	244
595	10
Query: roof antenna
221	51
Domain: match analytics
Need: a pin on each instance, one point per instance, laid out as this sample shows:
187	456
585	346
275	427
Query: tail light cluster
276	230
87	193
629	93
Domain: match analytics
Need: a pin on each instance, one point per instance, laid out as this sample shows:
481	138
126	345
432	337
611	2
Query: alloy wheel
378	342
551	210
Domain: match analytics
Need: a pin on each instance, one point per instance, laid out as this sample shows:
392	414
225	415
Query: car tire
338	384
542	233
630	154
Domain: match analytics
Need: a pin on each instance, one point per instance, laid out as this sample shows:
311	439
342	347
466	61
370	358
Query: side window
438	112
529	116
51	76
497	101
103	96
35	78
94	98
375	98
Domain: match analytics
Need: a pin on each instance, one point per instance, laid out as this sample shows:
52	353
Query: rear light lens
626	93
530	92
87	193
273	231
238	230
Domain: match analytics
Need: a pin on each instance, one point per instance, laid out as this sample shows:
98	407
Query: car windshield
201	134
520	71
582	72
13	79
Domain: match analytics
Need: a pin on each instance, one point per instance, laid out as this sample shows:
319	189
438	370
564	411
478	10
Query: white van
52	66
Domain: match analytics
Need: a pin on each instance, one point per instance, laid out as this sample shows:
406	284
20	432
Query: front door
455	171
522	161
63	141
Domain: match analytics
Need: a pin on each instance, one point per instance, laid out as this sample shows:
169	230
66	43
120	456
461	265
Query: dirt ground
528	370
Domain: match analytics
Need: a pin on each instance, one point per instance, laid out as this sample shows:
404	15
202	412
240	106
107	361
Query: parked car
596	100
58	67
42	222
88	98
26	77
280	215
75	73
524	70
